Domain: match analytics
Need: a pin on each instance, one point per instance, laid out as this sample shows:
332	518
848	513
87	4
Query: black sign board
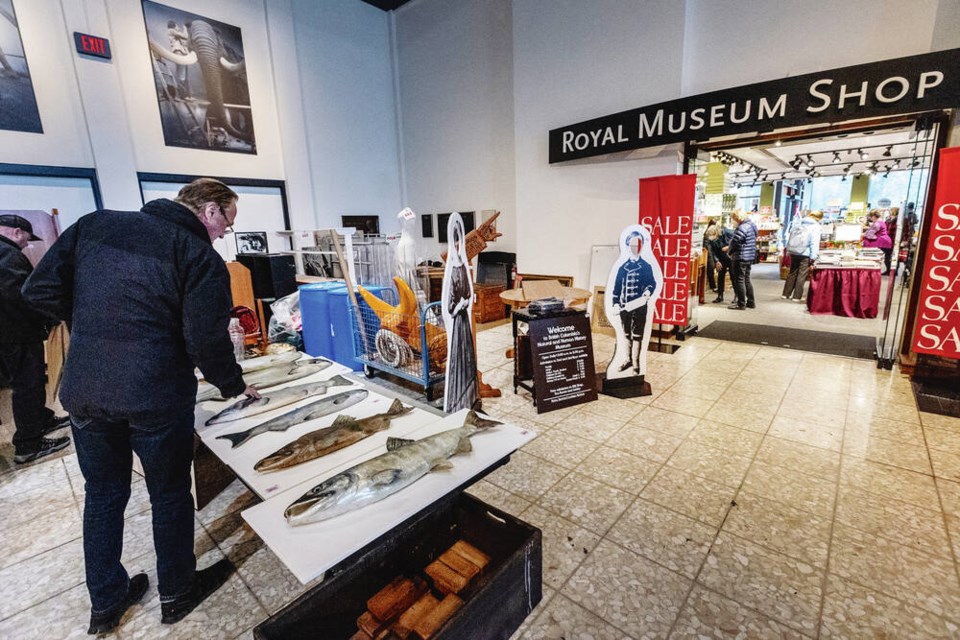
92	45
904	85
563	369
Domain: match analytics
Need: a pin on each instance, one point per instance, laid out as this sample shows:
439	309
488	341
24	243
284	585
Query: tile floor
759	493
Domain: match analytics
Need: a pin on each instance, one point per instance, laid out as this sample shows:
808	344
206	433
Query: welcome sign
904	85
938	323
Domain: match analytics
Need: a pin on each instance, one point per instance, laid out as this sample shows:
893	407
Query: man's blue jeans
165	448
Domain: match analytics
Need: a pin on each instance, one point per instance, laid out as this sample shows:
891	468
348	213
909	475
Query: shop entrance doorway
856	298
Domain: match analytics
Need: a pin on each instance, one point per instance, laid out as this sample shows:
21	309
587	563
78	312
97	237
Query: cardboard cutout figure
633	286
456	300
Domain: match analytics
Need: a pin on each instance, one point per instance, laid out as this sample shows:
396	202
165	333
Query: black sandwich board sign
563	367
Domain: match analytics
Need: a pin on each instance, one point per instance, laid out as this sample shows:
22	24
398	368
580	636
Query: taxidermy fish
405	462
265	362
344	431
306	413
248	407
265	378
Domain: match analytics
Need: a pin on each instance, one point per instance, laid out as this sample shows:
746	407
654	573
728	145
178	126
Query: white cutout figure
633	286
456	300
407	254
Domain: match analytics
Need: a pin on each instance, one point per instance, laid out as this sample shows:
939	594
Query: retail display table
844	291
571	296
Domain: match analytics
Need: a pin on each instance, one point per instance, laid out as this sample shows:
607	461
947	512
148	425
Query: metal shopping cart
410	346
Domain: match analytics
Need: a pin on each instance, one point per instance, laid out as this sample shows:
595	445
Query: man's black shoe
47	446
718	300
737	306
56	423
205	582
105	623
751	305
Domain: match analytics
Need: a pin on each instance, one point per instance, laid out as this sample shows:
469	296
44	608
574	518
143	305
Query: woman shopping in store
803	246
876	235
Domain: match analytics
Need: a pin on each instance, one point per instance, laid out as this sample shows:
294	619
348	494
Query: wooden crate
488	305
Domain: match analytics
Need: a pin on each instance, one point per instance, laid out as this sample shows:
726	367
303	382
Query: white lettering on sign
599	138
887	91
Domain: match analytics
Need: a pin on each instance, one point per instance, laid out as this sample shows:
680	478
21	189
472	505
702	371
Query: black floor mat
835	344
937	397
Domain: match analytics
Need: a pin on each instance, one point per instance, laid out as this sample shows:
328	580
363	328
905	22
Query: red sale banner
938	321
666	209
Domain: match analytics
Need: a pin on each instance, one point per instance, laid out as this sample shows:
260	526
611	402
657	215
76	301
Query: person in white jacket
803	245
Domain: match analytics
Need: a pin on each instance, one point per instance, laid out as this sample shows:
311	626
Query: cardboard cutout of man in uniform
633	287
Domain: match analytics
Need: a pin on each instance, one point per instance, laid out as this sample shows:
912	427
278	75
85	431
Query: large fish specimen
265	378
344	431
306	413
405	462
248	407
265	362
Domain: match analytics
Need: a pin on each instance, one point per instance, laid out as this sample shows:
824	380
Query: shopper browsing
743	253
876	235
148	298
22	332
720	248
803	247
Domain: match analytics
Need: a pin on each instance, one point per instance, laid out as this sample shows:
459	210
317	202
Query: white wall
455	71
343	50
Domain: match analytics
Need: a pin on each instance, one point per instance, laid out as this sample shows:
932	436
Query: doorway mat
834	344
937	397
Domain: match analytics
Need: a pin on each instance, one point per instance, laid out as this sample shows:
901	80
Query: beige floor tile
943	439
609	407
586	502
859	427
565	544
527	476
891	452
632	593
564	618
708	385
853	611
719	465
825	435
906	412
499	498
946	464
550	418
743	417
891	482
735	441
548	595
40	534
560	448
591	426
781	528
939	421
619	469
690	495
802	399
949	496
813	412
777	586
667	422
687	405
644	442
710	615
792	488
668	538
799	457
921	579
236	497
910	525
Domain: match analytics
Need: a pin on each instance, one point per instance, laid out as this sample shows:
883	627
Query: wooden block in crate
471	553
431	623
459	564
444	578
370	624
404	626
396	597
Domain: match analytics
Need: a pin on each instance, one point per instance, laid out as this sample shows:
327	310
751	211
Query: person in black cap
22	332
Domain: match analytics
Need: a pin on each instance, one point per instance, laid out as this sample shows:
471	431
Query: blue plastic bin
341	324
315	313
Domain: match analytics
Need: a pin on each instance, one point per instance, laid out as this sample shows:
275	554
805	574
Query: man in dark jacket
148	298
22	332
743	253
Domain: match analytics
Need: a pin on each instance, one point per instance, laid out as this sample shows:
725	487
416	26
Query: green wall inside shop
716	177
859	189
766	194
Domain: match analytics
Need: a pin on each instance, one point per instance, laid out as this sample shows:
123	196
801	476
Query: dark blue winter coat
743	246
148	298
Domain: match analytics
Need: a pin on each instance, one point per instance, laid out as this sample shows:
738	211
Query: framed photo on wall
200	73
370	225
19	110
443	218
252	242
426	225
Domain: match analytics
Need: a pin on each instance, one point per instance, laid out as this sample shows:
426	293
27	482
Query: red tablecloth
854	293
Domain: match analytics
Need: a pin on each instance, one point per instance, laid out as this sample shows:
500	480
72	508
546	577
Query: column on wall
859	189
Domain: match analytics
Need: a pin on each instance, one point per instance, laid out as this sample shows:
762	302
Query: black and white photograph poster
199	69
18	104
461	390
251	241
633	286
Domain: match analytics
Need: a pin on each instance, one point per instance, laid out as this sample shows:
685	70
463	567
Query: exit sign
92	45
